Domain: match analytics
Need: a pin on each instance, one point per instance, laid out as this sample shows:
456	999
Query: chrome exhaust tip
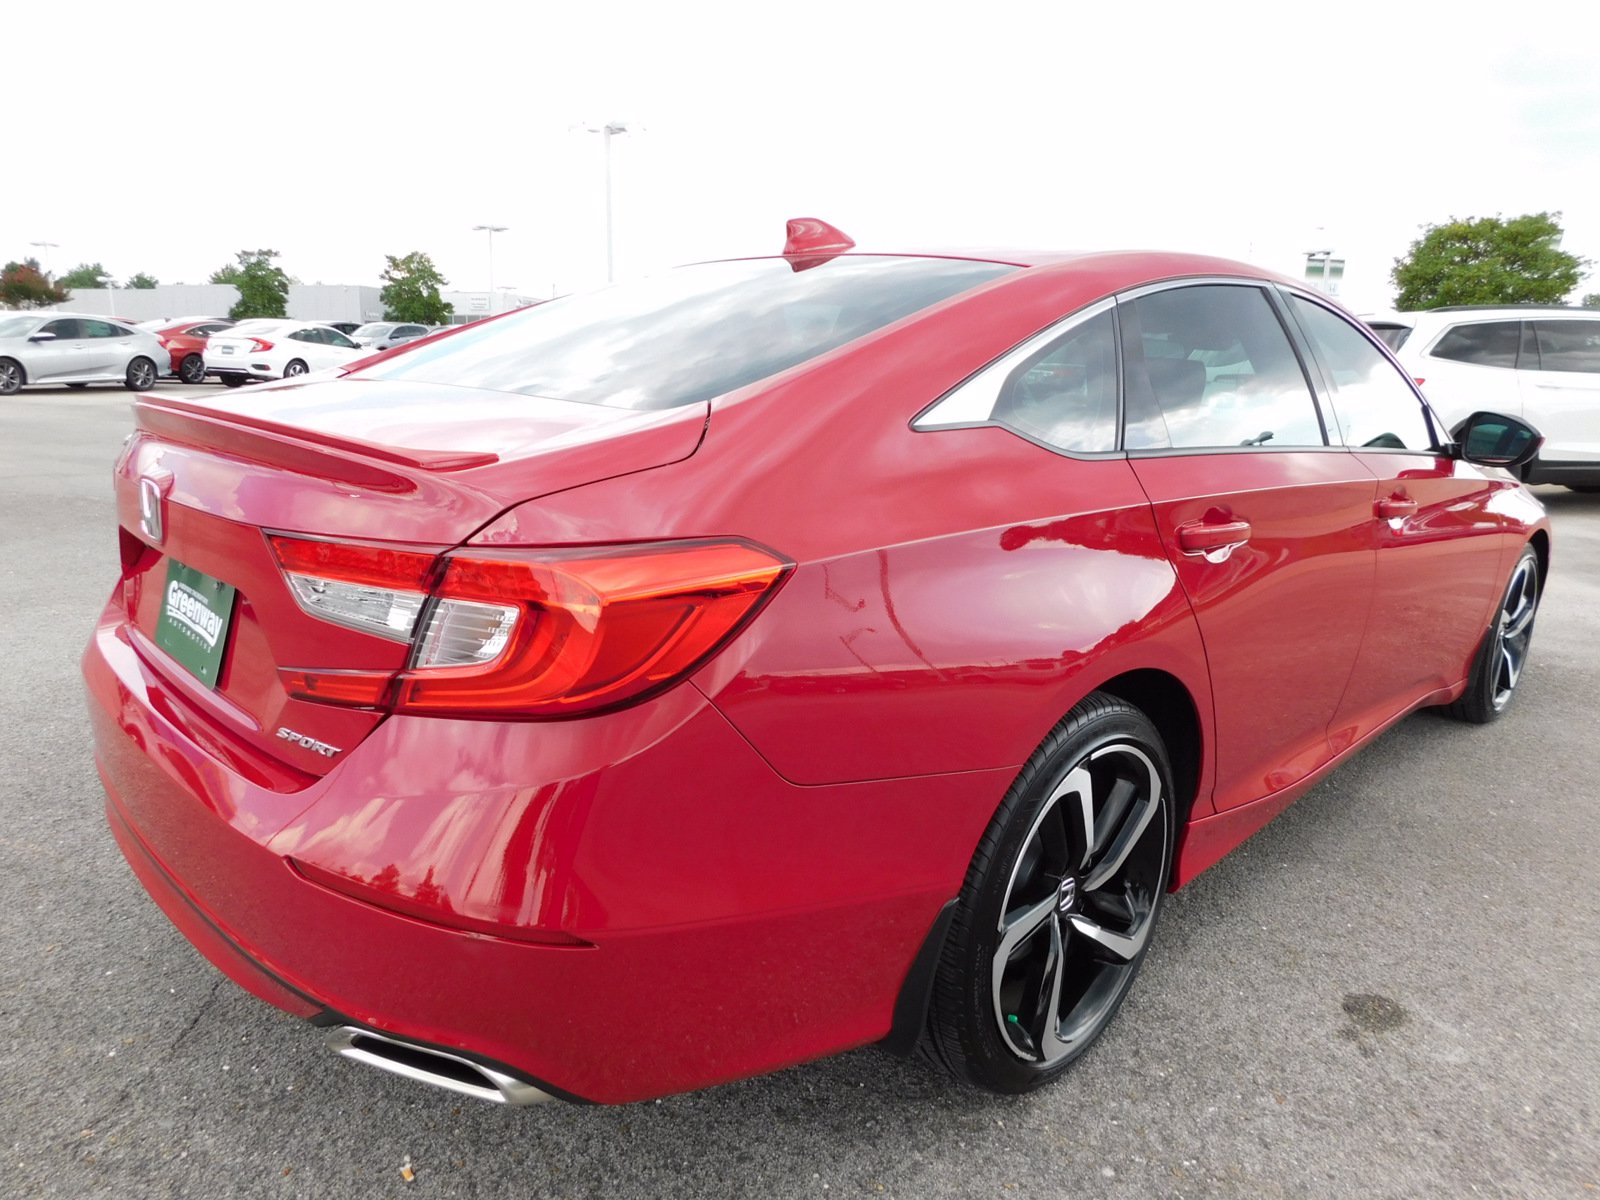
427	1065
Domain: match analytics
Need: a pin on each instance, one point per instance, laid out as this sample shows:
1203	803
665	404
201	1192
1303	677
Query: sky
338	133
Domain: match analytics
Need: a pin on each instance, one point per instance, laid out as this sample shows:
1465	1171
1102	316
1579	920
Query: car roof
1486	312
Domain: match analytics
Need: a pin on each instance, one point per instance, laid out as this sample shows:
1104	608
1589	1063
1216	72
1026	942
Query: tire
1587	489
232	380
1497	667
11	377
141	375
295	367
192	369
1054	919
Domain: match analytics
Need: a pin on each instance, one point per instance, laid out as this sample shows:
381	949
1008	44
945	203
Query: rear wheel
295	367
10	376
1497	668
1055	917
141	374
192	369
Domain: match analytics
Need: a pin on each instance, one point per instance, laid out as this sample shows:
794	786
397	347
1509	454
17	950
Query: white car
274	349
1541	364
77	350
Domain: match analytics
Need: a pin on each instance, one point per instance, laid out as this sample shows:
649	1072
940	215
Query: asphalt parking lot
1390	992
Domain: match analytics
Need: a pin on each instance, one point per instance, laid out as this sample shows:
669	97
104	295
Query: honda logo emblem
150	489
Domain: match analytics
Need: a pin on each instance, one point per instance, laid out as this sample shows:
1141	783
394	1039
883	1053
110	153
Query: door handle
1391	507
1212	540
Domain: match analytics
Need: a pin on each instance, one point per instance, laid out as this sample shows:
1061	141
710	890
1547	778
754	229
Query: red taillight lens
548	633
261	345
526	633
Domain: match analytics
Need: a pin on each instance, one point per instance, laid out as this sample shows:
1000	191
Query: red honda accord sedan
700	675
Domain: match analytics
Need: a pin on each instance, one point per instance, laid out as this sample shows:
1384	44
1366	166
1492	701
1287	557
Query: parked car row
80	349
1539	363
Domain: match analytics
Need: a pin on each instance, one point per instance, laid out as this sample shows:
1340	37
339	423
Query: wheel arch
1540	541
1167	702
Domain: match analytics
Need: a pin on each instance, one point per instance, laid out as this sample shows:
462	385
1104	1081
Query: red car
186	343
674	682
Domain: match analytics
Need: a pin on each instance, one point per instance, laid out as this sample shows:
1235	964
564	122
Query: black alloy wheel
10	377
1503	654
141	374
296	367
192	369
1056	914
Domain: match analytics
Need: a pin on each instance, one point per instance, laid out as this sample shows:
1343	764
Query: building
307	302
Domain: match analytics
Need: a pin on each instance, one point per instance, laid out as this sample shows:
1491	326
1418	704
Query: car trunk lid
201	484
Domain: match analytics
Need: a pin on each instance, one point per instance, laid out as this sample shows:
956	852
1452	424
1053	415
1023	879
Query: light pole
46	247
606	131
491	230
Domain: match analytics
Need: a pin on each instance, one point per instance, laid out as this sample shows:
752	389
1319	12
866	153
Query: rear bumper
730	923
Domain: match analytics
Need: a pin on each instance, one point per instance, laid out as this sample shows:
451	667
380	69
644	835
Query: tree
411	290
23	286
1592	300
263	285
1487	260
142	282
85	276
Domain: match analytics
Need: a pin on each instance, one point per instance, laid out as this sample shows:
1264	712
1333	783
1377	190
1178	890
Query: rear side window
690	334
1484	344
1211	366
1374	407
1569	345
1066	394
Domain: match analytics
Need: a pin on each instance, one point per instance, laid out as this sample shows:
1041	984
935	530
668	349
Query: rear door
107	347
1561	399
1438	542
1266	524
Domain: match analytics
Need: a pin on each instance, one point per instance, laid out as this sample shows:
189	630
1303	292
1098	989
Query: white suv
1540	364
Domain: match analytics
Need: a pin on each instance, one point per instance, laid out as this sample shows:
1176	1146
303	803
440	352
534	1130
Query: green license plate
193	628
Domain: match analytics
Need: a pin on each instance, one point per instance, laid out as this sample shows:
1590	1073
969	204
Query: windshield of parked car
689	334
17	326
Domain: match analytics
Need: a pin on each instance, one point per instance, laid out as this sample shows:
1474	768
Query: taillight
527	633
261	345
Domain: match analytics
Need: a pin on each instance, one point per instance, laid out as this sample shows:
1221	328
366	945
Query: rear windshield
687	335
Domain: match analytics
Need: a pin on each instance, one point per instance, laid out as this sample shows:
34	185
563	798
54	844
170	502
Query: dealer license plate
193	627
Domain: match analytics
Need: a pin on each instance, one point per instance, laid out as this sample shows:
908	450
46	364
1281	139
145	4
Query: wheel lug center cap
1067	896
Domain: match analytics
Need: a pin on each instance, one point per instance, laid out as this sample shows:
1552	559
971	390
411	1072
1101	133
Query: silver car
77	350
384	335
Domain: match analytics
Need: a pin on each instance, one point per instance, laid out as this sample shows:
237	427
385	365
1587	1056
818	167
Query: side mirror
1496	440
43	337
